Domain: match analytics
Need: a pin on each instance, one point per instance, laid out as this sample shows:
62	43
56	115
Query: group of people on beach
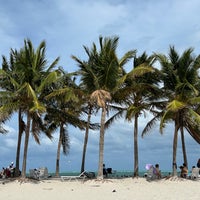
8	172
184	169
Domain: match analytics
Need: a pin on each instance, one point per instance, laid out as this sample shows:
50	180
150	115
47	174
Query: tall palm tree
10	82
31	66
181	80
63	108
89	110
99	76
139	94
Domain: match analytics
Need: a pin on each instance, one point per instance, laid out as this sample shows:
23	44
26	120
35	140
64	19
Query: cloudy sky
67	25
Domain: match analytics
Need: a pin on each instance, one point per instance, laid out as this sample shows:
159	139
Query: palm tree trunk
86	140
175	141
136	146
183	146
101	144
58	151
20	131
27	133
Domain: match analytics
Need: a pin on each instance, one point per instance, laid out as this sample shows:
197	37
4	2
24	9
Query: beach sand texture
108	189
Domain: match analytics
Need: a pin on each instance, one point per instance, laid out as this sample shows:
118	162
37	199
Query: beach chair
195	173
39	174
150	174
43	173
80	176
34	173
89	175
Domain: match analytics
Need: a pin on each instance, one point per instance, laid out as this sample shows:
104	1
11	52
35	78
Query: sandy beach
108	189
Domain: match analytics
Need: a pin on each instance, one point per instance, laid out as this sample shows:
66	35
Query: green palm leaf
175	105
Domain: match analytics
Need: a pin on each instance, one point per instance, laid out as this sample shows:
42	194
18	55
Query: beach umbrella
148	166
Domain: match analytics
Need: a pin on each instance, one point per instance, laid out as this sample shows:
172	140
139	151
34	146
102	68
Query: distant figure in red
7	173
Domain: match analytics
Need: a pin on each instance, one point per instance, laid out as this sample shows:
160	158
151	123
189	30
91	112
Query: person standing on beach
11	168
198	163
105	173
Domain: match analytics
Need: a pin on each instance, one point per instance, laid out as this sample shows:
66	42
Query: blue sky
148	25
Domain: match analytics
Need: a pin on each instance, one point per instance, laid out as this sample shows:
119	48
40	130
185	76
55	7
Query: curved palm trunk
101	144
183	146
136	146
175	141
20	131
86	140
27	133
58	150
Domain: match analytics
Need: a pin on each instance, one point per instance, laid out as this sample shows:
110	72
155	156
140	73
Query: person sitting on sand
184	171
157	171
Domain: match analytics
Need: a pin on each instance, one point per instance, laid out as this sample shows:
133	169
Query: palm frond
140	70
49	79
114	117
151	124
175	105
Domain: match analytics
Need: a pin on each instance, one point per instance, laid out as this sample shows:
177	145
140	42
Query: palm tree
139	94
10	81
181	80
99	76
86	77
31	67
89	110
63	108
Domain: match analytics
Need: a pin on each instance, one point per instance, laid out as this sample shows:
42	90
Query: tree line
47	98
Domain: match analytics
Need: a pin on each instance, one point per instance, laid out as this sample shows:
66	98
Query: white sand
109	189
